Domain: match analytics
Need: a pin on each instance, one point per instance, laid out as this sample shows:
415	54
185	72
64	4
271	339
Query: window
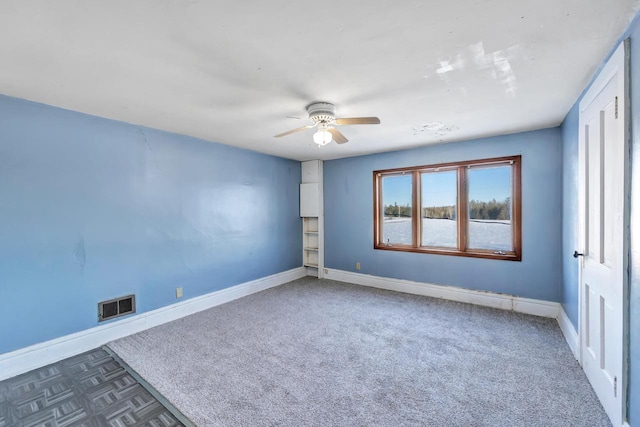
465	209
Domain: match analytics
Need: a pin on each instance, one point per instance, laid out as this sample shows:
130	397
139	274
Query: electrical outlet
179	292
357	266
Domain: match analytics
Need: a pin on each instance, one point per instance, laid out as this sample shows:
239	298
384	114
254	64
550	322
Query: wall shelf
311	210
310	242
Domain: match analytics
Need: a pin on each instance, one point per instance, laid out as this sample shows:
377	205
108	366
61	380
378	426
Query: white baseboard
569	332
41	354
489	299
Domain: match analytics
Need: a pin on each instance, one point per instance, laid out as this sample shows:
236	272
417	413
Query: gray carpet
324	353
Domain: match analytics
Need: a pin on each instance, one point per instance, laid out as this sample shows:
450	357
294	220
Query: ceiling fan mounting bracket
322	112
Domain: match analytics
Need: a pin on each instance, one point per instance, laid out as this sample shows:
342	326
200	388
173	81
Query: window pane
490	208
439	204
396	202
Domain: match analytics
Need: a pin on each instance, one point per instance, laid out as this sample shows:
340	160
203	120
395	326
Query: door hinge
616	107
615	386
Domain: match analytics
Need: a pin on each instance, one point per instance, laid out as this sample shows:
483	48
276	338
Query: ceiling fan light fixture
322	137
323	116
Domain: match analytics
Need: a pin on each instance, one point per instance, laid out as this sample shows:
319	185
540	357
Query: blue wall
570	165
93	209
348	201
570	215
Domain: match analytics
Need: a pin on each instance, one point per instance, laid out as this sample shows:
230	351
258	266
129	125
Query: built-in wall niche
311	211
310	242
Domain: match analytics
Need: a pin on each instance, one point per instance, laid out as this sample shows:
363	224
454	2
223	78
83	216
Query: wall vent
116	307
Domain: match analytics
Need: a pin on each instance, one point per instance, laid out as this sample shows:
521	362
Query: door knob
576	254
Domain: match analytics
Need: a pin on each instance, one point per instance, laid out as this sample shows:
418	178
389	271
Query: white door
603	182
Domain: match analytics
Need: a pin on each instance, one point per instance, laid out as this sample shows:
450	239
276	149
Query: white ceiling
239	72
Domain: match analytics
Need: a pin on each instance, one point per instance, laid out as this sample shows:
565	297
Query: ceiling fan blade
358	121
337	136
293	131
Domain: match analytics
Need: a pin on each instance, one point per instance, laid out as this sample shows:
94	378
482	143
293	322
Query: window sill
509	256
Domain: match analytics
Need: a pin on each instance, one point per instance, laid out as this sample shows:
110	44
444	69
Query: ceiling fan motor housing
322	112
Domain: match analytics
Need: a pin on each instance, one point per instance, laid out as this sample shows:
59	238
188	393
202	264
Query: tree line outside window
492	210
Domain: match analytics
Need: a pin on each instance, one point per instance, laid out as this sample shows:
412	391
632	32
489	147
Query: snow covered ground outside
494	235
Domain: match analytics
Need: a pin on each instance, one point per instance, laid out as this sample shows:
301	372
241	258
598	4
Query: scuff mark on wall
80	255
148	144
171	241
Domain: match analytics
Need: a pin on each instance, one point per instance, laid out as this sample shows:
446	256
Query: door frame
616	66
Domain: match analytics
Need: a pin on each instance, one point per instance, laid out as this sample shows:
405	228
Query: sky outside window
439	205
396	205
490	208
492	183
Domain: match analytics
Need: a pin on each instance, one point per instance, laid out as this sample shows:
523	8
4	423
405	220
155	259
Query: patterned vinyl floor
87	390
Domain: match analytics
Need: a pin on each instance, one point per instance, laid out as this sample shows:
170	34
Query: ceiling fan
323	116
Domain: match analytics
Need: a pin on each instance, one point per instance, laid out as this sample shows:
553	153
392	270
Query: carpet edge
41	354
534	307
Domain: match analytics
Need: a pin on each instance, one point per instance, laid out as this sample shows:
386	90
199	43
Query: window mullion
463	217
416	211
377	208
